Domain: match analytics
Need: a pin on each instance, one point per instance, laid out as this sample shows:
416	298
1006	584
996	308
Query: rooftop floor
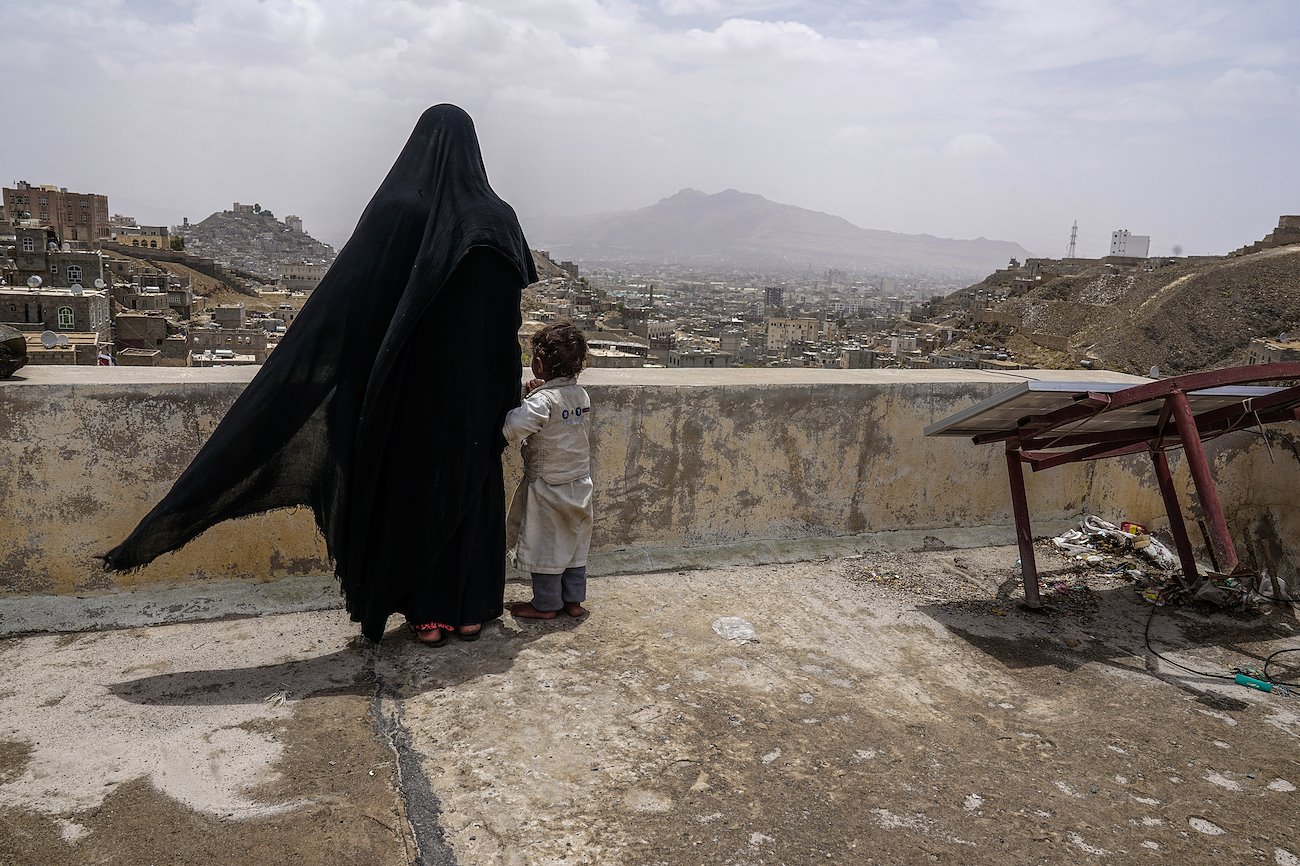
895	708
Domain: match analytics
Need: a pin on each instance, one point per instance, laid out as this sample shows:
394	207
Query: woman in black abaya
382	407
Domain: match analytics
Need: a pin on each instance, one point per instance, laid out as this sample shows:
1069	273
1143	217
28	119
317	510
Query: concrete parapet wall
684	460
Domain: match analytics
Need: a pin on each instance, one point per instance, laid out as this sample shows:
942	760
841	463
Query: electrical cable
1269	661
1147	637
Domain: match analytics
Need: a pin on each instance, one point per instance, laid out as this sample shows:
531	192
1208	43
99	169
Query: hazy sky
960	118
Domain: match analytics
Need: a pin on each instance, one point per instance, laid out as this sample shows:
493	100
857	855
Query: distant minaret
1074	234
652	296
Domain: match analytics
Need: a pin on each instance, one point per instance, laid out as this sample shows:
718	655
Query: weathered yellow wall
1260	498
682	458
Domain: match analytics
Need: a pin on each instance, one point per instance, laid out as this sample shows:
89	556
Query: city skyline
997	118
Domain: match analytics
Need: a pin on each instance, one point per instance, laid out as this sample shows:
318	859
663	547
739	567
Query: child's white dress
548	528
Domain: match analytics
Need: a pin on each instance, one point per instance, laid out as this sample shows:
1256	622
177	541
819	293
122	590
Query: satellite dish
1155	372
49	339
99	284
67	247
78	289
62	339
1284	337
53	246
34	282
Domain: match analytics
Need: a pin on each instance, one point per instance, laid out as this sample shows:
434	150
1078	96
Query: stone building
240	341
1286	233
301	276
46	309
149	237
1263	350
38	253
142	334
781	332
230	316
81	322
698	358
77	218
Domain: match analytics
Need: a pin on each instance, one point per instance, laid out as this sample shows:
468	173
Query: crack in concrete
414	791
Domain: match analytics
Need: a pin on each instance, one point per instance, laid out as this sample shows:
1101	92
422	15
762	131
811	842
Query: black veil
433	271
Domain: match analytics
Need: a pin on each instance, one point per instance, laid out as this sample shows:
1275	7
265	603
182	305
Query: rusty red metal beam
1024	534
1174	511
1201	381
1041	460
1206	492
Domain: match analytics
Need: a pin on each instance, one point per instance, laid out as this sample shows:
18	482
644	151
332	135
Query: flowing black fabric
382	407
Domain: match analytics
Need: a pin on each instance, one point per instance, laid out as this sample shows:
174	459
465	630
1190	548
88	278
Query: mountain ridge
742	228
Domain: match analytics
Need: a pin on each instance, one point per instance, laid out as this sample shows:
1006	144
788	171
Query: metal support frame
1177	527
1206	492
1024	534
1031	441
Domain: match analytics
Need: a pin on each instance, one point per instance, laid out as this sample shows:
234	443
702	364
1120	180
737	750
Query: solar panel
1003	413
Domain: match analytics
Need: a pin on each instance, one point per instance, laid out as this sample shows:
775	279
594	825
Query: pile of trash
1097	541
1123	551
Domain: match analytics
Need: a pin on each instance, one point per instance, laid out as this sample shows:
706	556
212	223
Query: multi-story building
302	276
781	332
80	317
1122	243
38	253
77	218
149	237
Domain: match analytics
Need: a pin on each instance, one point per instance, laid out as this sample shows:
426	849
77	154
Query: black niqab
382	407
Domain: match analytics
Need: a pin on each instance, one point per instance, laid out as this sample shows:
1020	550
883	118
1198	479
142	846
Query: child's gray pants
553	591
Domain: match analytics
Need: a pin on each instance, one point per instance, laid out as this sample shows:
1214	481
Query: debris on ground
1095	539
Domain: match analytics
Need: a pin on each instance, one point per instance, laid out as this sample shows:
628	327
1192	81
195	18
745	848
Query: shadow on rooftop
1109	627
400	667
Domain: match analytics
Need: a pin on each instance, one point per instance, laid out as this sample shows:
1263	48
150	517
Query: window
29	245
65	317
153	244
74	274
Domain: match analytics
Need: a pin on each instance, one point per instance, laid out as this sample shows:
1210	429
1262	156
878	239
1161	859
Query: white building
1124	244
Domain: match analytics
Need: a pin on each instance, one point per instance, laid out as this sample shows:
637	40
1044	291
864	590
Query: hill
255	242
1182	316
740	229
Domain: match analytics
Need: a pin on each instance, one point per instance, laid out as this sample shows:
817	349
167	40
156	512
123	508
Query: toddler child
548	530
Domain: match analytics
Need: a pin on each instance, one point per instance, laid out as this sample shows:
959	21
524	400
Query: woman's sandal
421	630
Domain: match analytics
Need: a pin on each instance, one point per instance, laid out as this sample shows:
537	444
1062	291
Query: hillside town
84	286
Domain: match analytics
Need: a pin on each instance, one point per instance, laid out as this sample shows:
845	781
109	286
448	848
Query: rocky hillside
734	228
254	242
1181	317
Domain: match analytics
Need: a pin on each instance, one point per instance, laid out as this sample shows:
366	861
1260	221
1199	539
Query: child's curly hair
561	348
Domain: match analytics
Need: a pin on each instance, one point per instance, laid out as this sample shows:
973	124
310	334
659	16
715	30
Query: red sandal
424	628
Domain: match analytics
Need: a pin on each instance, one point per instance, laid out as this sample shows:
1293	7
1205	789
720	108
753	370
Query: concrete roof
884	708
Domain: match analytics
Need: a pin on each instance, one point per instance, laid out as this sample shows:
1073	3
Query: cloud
973	145
1251	91
593	105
